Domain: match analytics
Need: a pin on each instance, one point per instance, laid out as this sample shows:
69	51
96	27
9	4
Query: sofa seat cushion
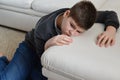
48	6
17	3
22	10
83	59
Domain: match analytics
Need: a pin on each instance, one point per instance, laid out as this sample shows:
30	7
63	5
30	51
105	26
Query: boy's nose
72	32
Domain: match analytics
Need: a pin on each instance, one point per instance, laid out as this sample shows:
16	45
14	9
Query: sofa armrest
83	59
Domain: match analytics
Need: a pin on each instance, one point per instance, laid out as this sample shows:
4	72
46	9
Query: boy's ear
66	13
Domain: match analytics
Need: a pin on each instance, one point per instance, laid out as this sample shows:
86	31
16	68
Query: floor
9	41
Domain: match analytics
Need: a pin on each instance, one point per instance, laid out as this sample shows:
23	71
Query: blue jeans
25	65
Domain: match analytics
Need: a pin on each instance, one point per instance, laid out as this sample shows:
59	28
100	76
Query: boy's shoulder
49	18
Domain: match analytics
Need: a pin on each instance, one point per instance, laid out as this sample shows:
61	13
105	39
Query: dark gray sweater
45	28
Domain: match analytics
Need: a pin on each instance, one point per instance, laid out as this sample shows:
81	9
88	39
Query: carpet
9	40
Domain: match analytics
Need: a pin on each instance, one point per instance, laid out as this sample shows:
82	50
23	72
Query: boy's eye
78	31
72	26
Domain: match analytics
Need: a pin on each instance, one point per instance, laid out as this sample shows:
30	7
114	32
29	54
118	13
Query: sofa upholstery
81	60
18	14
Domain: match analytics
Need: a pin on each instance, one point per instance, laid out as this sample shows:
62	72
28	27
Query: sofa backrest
48	6
17	3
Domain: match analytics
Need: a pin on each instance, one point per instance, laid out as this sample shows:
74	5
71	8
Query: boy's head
84	14
79	18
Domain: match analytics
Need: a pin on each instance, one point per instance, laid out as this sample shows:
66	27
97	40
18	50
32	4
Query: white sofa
81	60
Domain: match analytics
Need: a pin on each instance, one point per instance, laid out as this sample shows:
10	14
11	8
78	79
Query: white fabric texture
51	5
48	6
21	21
17	3
22	10
98	3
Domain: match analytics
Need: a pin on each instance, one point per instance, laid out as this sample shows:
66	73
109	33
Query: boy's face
69	26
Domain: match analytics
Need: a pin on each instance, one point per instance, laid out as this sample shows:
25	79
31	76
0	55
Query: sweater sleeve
39	44
108	18
38	39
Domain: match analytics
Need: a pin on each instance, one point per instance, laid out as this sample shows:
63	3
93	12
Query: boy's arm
39	46
110	19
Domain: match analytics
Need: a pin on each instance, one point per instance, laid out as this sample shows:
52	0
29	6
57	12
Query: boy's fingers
103	42
67	39
62	42
112	42
108	43
99	39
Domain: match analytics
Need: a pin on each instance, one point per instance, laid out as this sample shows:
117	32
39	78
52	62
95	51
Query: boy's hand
107	38
58	40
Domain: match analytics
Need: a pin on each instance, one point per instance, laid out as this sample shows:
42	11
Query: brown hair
84	14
